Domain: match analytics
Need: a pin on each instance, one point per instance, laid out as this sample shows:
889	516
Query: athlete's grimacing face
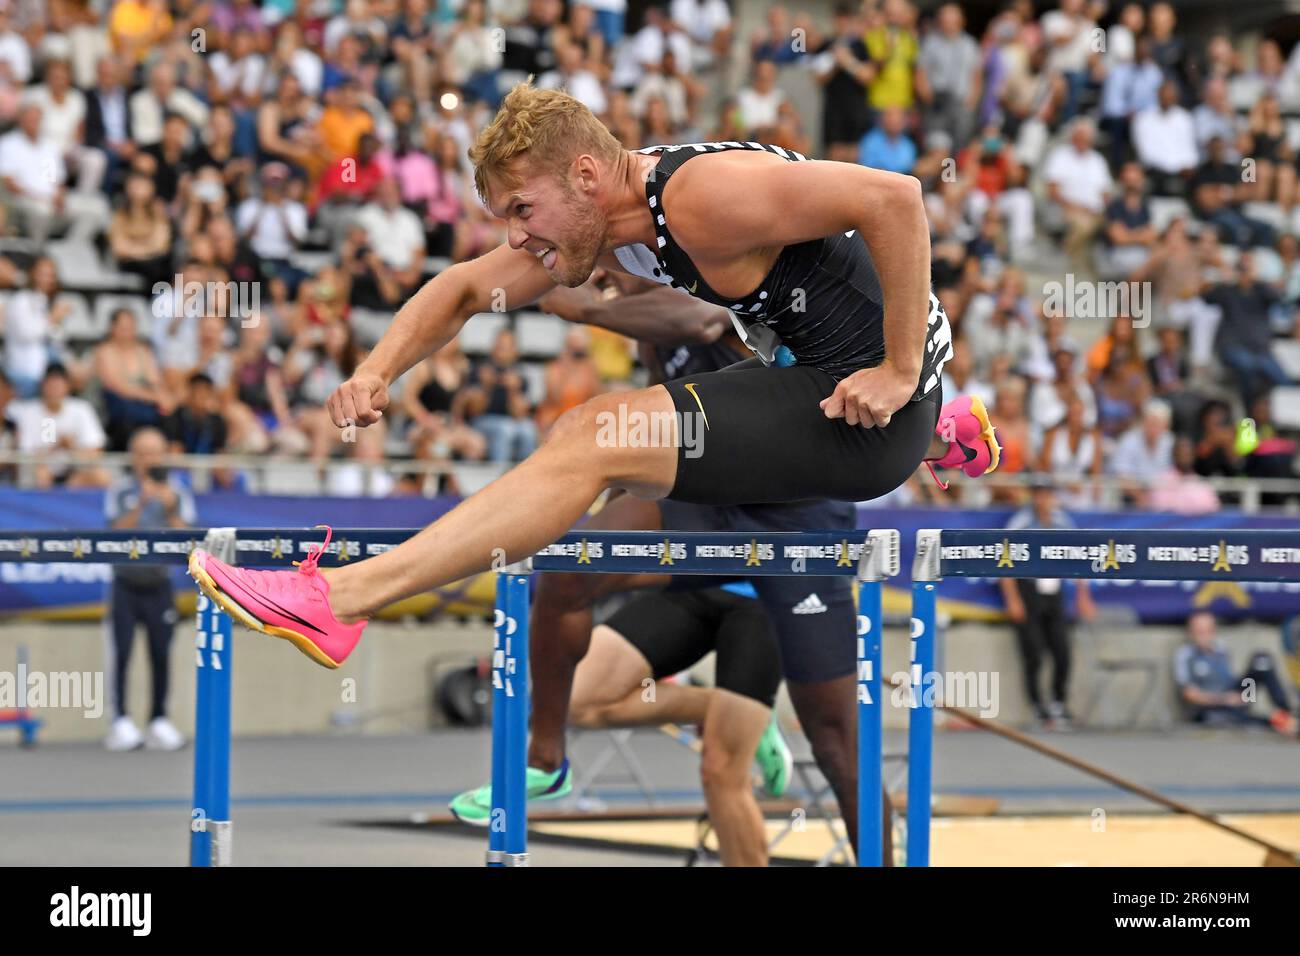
560	223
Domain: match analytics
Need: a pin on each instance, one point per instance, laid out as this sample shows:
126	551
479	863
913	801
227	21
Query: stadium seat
369	325
1267	212
1285	402
81	325
1165	209
477	335
1287	353
534	381
471	476
540	335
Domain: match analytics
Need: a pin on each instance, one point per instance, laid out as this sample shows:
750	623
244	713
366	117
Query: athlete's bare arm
502	279
645	311
732	212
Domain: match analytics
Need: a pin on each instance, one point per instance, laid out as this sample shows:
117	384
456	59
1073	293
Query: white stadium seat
540	335
479	332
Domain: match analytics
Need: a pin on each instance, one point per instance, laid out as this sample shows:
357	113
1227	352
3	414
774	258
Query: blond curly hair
547	128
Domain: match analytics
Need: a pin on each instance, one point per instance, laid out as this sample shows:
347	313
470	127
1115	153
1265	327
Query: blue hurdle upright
817	553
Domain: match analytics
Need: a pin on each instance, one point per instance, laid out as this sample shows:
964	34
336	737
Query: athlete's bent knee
721	769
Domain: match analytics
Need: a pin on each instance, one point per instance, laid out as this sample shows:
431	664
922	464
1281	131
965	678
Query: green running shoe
475	806
774	759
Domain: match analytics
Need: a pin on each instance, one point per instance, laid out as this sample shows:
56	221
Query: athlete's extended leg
732	728
613	687
522	511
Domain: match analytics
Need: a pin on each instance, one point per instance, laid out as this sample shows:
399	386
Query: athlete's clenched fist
871	396
360	400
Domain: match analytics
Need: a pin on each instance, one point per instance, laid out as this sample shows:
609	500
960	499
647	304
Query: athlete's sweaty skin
732	213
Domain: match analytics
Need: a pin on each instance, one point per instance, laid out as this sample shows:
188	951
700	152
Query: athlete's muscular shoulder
725	204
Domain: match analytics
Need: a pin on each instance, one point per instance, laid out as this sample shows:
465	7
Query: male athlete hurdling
831	258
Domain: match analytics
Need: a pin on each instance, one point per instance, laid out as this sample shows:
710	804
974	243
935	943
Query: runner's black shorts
673	630
760	435
815	618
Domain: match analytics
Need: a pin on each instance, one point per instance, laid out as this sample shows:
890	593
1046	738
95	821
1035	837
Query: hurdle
1154	555
871	559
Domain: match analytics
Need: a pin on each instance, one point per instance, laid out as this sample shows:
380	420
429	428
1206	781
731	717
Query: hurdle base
495	858
220	841
516	859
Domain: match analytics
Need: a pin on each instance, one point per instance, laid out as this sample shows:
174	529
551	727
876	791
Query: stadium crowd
211	206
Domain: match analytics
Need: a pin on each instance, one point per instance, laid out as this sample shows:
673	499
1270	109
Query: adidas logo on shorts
812	604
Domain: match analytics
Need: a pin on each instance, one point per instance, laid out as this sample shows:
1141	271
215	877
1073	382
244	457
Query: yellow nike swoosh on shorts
690	387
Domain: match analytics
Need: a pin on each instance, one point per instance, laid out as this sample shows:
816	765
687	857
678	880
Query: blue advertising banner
77	589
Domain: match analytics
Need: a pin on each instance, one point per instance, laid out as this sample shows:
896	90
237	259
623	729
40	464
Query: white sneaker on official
163	735
123	735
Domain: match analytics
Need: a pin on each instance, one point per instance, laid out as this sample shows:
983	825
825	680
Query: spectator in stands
1167	48
1274	160
1130	235
32	320
344	122
1213	694
1122	35
321	358
707	23
1051	397
273	225
33	180
1039	612
1014	433
108	119
887	146
433	397
63	117
1216	442
347	182
959	375
497	404
1244	338
1000	322
998	182
843	68
256	409
1164	139
1214	117
893	47
759	102
1068	33
1180	490
162	96
168	155
1269	76
218	148
56	425
1170	371
238	76
1217	193
1072	453
397	237
571	75
195	427
129	379
1122	391
773	40
1273	455
1144	452
473	56
951	76
1177	273
1078	184
140	233
571	379
149	497
136	26
287	130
